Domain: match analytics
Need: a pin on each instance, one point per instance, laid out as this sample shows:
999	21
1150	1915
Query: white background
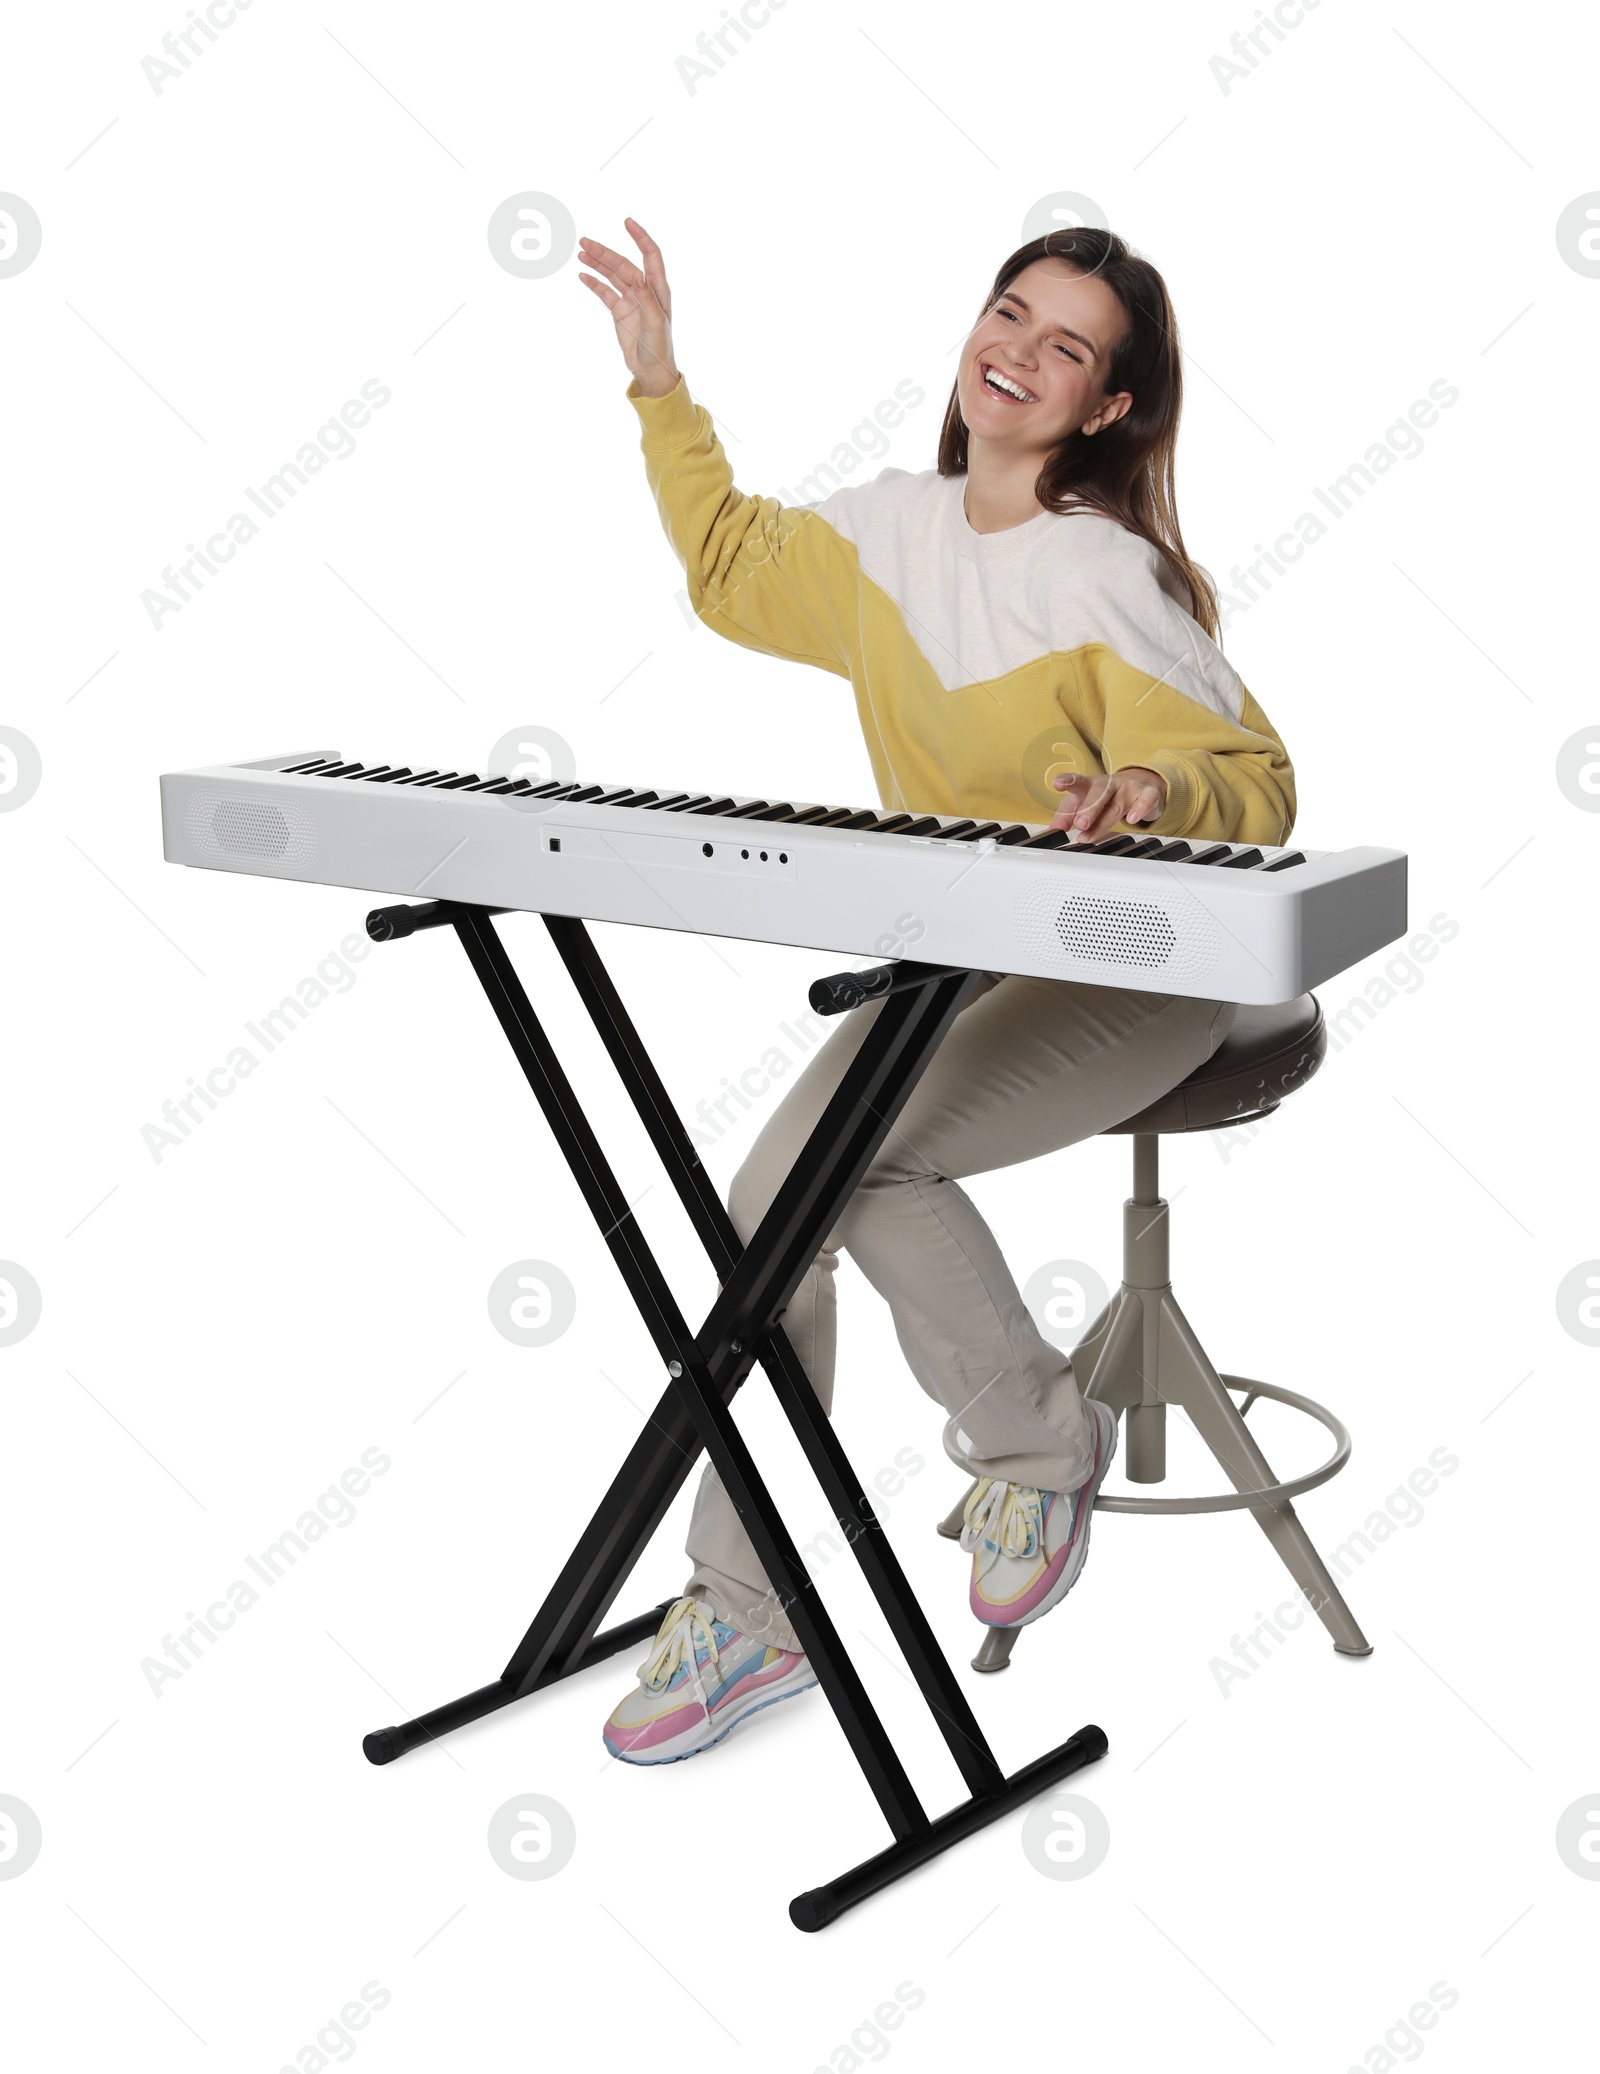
1294	1862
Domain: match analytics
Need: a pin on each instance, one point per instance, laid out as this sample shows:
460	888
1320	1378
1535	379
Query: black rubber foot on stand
819	1906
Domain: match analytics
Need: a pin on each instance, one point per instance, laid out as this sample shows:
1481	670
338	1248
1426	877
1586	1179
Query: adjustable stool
1141	1354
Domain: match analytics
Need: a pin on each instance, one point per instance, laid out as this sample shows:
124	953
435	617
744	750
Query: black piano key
927	825
1018	832
1051	839
635	799
1241	860
863	818
418	778
669	802
611	798
686	802
310	766
977	833
1147	848
780	810
500	786
1172	853
893	824
748	811
830	817
391	777
1283	863
483	784
583	793
339	770
541	791
363	773
804	816
711	806
956	828
1217	854
1110	846
457	784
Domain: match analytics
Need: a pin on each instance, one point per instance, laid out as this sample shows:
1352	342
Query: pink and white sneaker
703	1676
1028	1545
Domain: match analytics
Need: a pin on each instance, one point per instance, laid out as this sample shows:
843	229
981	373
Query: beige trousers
1029	1065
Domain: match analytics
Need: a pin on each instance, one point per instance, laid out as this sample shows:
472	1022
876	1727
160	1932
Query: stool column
1146	1270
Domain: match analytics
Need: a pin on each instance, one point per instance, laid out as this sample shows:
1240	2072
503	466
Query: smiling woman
1024	632
1097	341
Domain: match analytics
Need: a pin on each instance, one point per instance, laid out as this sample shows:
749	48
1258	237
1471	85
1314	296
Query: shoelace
1009	1516
675	1645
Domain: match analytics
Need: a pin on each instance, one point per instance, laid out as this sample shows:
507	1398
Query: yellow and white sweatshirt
982	662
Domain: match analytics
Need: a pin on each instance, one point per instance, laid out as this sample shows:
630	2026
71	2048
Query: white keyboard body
1253	935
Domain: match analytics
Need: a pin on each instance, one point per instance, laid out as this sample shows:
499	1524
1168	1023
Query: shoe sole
1072	1569
769	1697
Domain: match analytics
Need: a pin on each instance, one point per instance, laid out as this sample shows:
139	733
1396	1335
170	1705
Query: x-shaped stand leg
707	1367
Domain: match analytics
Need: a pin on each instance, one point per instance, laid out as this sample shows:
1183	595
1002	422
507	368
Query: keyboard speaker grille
1070	930
1116	932
227	828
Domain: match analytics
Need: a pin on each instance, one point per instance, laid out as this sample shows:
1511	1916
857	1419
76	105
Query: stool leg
952	1523
1188	1379
1147	1443
1087	1352
994	1652
1113	1378
1146	1272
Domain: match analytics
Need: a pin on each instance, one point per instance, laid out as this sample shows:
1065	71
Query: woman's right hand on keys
640	303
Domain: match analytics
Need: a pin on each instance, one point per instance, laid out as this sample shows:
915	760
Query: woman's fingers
623	275
1071	784
1144	793
601	257
655	268
647	284
1089	821
612	301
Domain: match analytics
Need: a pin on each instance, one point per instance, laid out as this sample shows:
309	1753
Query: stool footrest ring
1228	1501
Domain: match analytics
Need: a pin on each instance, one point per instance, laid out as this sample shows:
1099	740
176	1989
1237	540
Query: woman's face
1051	334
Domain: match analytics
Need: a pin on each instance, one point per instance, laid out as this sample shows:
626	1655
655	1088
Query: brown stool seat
1267	1054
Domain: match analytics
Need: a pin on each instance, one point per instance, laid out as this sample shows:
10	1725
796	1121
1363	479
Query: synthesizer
1227	921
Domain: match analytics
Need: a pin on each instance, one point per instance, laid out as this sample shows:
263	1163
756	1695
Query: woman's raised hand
640	303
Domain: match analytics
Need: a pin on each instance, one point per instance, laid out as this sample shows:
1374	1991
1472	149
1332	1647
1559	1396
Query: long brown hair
1125	470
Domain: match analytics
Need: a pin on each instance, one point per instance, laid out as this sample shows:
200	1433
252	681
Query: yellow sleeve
1226	781
772	577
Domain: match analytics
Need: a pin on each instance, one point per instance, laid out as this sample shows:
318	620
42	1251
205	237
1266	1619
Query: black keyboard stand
707	1367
